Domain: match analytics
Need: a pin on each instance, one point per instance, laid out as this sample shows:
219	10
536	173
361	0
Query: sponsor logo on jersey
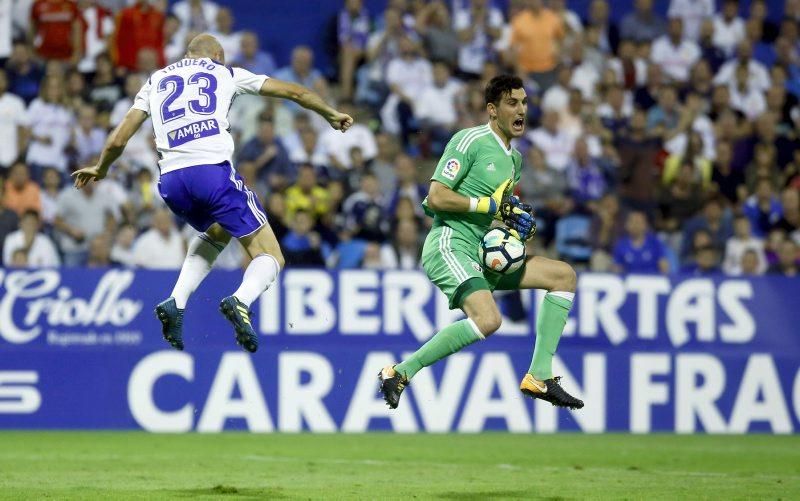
192	131
490	167
476	266
451	168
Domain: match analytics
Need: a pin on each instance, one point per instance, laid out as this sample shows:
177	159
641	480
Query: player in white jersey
188	102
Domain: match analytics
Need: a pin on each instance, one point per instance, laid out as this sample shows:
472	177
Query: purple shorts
206	194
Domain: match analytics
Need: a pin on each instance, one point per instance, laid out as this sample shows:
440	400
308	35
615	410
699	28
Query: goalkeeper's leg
559	279
483	319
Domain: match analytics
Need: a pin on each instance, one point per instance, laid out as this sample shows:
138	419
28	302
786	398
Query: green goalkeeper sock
550	322
447	341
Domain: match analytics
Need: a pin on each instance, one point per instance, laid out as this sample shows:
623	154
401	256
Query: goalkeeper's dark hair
500	86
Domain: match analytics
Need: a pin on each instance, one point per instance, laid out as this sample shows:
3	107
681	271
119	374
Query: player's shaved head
205	45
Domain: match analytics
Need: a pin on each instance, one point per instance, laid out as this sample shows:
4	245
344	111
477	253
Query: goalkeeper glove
518	216
491	205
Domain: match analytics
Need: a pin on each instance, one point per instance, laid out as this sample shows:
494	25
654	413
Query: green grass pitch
66	465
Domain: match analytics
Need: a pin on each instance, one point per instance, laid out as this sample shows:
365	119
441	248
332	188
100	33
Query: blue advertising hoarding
81	349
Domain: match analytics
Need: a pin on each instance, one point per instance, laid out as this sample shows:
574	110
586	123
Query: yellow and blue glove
518	216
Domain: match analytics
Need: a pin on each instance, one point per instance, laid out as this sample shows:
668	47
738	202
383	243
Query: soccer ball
501	251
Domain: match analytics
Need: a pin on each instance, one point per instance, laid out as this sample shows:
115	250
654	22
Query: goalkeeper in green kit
470	188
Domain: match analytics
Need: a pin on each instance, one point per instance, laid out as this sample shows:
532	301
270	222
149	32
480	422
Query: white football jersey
188	102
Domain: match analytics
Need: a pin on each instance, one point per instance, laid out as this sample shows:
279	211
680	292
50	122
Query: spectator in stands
680	199
175	39
628	67
80	216
693	155
140	26
337	146
545	188
9	221
21	193
762	208
744	98
364	211
161	247
478	28
642	25
728	27
230	40
536	33
640	251
440	41
301	71
756	74
637	173
788	256
728	182
790	208
13	122
309	150
302	246
268	156
436	108
39	249
139	152
740	243
714	221
97	27
675	53
556	144
585	177
383	163
88	138
608	223
51	187
705	261
306	194
556	97
24	73
749	264
122	251
407	185
763	167
196	15
607	30
759	13
404	250
51	125
585	76
252	58
353	27
58	30
99	254
382	46
691	13
105	89
710	53
407	76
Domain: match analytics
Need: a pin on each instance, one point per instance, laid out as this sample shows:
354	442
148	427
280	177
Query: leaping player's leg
238	210
267	261
200	256
559	279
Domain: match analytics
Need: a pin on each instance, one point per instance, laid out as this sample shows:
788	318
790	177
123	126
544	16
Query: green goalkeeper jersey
474	164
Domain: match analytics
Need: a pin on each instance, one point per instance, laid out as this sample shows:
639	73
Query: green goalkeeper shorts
452	262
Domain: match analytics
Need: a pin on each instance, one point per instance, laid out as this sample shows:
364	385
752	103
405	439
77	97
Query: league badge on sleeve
451	168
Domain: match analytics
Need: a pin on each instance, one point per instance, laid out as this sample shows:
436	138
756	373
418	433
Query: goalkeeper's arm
443	199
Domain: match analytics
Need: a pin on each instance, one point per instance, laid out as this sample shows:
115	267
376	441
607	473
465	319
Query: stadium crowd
653	145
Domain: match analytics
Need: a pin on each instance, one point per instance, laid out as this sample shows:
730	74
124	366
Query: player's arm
443	199
115	145
308	99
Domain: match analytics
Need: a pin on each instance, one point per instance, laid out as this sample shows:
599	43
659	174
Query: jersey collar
507	151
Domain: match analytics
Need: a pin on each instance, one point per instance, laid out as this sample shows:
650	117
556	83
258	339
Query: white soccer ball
501	251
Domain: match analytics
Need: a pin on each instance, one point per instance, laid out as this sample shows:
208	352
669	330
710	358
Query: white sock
258	276
199	259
